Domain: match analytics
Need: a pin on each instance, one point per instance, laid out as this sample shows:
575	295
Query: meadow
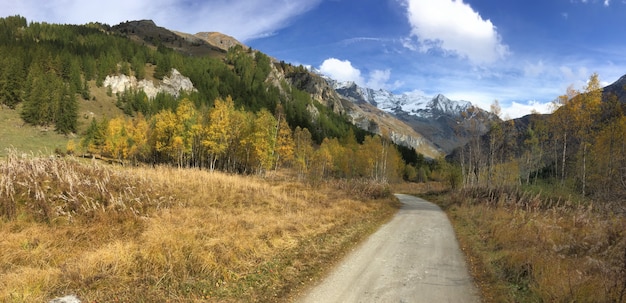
145	234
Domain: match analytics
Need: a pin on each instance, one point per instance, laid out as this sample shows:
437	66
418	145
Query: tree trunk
584	168
563	162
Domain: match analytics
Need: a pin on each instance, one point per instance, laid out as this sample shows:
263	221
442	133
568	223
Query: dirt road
413	258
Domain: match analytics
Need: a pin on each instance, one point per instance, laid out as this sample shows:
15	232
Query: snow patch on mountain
411	103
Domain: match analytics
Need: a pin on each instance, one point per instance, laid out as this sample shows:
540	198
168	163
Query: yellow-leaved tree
303	150
116	139
562	129
240	149
587	108
607	174
219	131
284	139
165	136
264	137
187	119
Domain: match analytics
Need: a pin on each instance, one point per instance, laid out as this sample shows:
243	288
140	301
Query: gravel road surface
413	258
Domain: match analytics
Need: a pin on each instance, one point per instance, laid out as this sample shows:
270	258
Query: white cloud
379	79
455	28
341	71
242	19
517	110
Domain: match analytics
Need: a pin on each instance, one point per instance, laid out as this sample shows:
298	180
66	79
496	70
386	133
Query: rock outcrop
66	299
173	84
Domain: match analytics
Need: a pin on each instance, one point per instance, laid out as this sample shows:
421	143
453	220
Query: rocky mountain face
172	84
364	115
439	120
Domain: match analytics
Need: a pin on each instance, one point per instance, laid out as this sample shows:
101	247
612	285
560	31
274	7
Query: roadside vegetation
110	233
539	206
525	246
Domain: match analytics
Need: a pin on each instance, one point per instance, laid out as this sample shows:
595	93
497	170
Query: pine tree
94	138
67	112
12	76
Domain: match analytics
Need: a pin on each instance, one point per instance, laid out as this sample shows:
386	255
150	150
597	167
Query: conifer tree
12	76
67	112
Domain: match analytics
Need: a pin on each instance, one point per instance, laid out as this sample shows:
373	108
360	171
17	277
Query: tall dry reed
108	233
545	249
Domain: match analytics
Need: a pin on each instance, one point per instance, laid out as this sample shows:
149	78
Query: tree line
579	146
232	139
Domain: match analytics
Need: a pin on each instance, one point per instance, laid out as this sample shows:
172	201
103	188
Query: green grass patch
14	133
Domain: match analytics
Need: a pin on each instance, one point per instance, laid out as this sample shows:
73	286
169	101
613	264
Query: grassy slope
14	133
25	138
161	234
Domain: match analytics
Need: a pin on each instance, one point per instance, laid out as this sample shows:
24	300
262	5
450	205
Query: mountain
617	88
365	116
200	44
439	120
432	126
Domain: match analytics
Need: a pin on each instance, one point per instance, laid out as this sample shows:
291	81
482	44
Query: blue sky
523	53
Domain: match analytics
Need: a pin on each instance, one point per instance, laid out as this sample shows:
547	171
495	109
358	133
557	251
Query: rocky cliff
172	84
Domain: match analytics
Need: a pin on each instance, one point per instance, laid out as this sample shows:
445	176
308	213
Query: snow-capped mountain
439	120
411	103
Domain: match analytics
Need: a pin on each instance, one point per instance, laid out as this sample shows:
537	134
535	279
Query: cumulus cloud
454	28
242	19
343	70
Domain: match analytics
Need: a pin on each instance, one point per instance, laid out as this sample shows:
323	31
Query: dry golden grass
523	248
427	188
162	234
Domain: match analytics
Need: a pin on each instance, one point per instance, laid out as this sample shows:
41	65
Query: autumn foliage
235	140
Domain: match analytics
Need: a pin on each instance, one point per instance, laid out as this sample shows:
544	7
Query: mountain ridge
438	119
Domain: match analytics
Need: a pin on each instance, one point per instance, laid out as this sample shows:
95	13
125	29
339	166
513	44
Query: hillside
120	92
146	31
157	50
432	132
